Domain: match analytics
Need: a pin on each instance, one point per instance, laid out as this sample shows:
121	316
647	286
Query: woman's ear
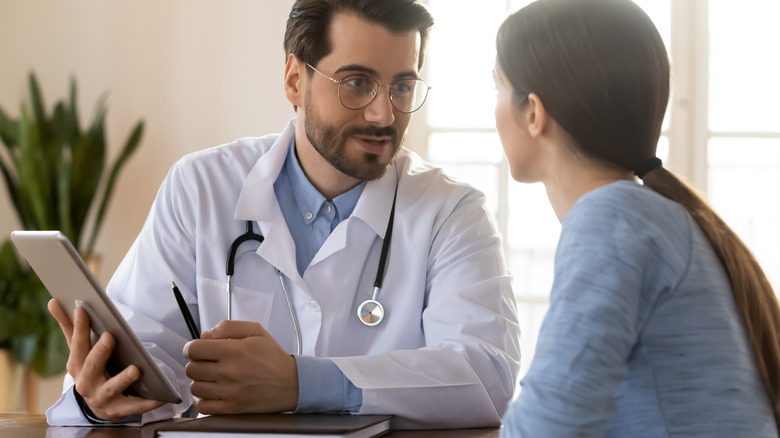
535	116
294	79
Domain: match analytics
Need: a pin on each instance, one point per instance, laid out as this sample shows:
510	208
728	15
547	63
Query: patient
661	323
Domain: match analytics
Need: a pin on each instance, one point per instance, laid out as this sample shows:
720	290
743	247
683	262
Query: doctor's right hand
87	366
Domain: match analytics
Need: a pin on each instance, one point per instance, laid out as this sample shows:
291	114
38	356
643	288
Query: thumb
235	330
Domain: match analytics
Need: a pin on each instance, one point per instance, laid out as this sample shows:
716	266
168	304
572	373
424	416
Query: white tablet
69	281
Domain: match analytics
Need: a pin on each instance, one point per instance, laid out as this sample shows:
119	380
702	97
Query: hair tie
647	166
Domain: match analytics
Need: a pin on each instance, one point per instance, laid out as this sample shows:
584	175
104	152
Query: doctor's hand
87	365
237	367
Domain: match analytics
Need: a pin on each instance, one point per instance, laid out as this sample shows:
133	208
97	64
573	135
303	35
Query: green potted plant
54	173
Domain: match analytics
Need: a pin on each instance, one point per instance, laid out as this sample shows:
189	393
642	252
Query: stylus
186	312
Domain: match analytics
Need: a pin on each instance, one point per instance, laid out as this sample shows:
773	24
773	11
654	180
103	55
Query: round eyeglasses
357	91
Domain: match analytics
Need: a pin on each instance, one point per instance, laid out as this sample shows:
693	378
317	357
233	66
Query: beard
332	145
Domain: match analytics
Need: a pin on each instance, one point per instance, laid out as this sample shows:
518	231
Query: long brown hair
602	71
756	301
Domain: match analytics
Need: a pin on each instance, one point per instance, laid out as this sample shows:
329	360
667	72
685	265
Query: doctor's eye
358	84
402	88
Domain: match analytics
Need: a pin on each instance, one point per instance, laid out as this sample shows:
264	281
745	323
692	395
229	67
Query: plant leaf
130	146
24	347
74	112
52	354
39	110
86	172
9	131
9	264
60	159
12	186
32	182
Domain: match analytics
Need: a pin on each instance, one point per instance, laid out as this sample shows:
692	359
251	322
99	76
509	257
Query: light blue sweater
642	338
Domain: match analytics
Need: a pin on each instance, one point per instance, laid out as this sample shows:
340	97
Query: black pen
186	312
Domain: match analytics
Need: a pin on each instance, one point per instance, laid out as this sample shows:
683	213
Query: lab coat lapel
373	208
257	202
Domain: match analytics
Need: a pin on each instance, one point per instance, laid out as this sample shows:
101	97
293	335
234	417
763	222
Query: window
721	133
743	124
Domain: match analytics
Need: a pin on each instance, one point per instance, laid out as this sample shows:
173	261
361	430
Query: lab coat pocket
248	304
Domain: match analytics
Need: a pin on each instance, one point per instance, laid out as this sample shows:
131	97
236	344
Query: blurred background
201	73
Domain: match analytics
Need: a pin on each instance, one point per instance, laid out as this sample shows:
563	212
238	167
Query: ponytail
756	301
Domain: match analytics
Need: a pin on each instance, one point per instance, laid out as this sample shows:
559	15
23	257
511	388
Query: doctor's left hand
237	367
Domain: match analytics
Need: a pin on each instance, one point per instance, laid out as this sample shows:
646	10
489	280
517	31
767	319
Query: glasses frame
379	84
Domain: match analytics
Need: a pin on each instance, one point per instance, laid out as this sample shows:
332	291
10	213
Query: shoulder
237	156
626	205
431	182
448	208
631	224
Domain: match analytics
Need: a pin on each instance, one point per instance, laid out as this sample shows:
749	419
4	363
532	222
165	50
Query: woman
661	323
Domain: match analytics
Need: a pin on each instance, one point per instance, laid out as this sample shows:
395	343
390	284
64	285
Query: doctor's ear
294	78
535	115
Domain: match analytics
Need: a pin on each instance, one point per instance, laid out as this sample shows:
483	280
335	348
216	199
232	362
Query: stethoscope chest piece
371	312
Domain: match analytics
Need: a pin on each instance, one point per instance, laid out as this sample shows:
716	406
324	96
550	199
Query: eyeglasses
357	91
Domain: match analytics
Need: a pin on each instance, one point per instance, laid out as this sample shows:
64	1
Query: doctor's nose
380	111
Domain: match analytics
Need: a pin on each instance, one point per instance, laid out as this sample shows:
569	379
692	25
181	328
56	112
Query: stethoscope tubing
370	312
293	314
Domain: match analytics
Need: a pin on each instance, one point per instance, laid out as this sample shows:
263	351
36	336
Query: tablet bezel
68	279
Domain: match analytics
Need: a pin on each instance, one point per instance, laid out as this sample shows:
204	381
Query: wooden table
34	426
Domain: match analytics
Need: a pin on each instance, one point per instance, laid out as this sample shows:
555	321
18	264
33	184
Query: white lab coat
447	352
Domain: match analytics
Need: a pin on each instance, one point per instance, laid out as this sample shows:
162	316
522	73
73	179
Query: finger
104	396
205	370
80	343
235	330
110	403
211	349
131	406
212	390
66	325
217	407
93	370
116	385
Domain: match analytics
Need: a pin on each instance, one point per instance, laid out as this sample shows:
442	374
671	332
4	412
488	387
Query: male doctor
444	352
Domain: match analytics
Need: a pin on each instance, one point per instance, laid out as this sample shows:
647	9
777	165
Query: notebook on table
279	425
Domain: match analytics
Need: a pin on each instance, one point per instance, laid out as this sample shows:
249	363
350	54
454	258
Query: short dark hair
308	25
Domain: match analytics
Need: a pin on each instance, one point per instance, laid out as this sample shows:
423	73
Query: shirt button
309	215
314	306
328	209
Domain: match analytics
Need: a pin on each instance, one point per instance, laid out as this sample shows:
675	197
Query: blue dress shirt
311	218
309	215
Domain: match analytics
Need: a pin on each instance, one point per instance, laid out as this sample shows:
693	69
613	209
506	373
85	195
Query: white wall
199	72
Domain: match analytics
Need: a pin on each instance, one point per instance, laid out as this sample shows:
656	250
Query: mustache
372	131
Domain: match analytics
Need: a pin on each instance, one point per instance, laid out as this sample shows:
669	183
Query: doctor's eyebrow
357	68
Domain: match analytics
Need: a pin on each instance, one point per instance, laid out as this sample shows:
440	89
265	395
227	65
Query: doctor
441	346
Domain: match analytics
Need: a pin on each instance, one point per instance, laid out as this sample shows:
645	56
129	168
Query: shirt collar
258	202
309	199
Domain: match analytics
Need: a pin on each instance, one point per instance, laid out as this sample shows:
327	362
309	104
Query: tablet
69	281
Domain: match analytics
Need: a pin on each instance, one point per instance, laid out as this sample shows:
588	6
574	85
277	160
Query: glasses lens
408	95
356	91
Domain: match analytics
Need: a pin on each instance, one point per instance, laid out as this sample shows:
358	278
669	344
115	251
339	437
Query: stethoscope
370	312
